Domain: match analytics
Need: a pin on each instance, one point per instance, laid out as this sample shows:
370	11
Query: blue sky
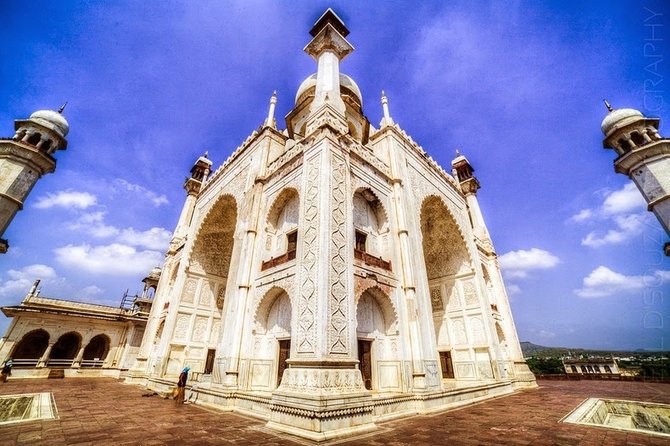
516	86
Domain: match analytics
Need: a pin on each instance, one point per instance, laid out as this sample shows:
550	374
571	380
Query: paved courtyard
106	411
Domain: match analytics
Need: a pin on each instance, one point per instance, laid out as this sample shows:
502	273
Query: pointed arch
67	346
32	345
285	197
444	247
388	309
371	227
281	229
266	304
213	246
97	348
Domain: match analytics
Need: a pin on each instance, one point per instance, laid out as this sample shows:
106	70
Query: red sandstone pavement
107	412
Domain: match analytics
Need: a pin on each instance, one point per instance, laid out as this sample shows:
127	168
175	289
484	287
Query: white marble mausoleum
331	274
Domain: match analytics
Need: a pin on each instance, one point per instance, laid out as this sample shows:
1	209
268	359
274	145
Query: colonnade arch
31	346
97	348
35	344
67	347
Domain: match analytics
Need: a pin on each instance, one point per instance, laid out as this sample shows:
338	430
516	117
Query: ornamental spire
270	121
386	120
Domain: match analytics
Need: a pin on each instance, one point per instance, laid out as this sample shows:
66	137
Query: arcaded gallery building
331	274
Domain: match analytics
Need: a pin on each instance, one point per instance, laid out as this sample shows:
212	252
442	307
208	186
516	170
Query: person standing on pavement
181	385
6	370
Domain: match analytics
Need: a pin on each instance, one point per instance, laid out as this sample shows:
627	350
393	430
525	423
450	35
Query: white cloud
583	215
519	263
542	333
621	208
513	290
93	223
629	226
145	193
624	200
154	238
113	259
91	291
20	281
66	199
604	282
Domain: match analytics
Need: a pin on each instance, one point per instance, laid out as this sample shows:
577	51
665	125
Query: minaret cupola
45	130
627	129
643	156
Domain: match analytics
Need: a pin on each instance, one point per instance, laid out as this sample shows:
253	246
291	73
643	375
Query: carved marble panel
470	293
206	294
306	329
189	291
478	334
199	329
460	335
181	327
214	335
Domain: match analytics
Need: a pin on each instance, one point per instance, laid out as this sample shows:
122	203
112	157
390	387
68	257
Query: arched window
638	140
371	229
34	139
624	145
46	145
573	369
281	232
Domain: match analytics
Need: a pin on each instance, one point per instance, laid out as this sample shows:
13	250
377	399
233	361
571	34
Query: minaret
463	171
25	158
386	120
199	173
328	47
270	121
644	156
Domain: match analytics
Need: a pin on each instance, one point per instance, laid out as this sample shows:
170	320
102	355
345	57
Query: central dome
345	82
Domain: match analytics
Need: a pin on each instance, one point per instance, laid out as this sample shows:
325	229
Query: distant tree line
545	366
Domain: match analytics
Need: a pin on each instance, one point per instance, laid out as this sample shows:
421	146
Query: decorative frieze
320	381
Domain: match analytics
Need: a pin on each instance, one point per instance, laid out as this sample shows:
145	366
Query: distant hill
529	349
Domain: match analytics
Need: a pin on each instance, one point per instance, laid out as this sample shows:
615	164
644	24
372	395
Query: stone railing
369	259
274	261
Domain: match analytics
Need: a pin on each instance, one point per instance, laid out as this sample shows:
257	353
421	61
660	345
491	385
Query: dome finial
458	153
62	107
607	104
